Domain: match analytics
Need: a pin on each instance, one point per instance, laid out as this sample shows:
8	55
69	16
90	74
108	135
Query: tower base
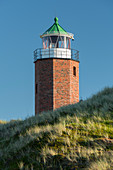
56	83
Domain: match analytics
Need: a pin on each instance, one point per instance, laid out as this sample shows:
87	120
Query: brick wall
74	82
56	84
65	84
44	83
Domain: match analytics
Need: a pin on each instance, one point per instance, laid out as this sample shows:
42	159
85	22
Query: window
68	42
53	45
36	88
74	71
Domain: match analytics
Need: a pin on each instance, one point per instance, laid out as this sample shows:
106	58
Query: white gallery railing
41	53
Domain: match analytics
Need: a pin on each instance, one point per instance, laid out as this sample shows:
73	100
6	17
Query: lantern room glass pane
68	43
45	42
61	42
56	42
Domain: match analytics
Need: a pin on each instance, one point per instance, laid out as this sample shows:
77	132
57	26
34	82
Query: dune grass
78	136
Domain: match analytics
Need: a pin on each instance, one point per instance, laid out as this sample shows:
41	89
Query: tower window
74	71
36	89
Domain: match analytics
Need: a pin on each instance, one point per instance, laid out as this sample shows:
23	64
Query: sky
21	24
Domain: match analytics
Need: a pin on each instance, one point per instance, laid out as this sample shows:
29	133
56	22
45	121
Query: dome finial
56	20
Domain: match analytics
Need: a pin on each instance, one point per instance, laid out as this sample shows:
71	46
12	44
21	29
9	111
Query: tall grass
2	122
71	137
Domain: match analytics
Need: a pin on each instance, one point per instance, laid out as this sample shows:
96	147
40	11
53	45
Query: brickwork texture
55	83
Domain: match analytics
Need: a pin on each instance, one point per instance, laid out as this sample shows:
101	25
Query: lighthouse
56	70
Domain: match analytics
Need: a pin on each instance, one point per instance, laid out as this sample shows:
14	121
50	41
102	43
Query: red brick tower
56	70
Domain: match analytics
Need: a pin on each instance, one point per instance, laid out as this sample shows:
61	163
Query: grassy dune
78	136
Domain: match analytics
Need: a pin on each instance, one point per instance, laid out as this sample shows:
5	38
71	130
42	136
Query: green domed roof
55	29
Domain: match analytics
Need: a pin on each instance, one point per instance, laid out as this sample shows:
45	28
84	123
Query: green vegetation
78	136
2	122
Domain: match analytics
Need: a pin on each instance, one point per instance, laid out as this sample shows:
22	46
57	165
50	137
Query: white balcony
56	53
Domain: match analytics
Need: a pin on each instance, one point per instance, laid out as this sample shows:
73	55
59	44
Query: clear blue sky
21	23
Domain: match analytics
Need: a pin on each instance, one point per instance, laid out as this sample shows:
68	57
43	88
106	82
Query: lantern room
56	37
56	43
